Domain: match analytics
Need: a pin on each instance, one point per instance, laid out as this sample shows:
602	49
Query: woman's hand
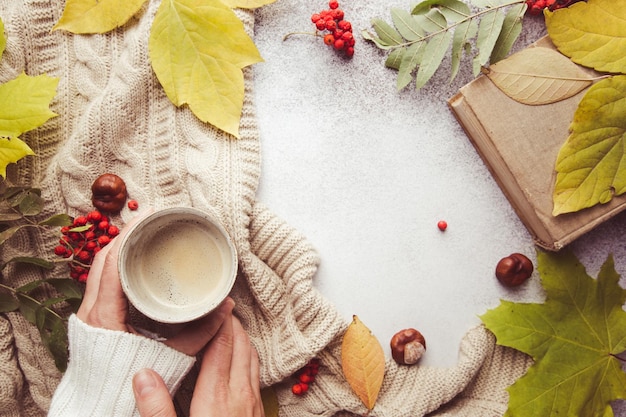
228	383
105	305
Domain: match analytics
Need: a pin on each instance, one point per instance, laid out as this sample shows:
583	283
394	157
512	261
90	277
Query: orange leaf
363	362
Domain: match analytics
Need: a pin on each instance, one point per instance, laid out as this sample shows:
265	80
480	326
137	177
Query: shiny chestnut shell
108	193
514	270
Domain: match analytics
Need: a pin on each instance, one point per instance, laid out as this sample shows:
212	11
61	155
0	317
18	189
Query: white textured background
365	172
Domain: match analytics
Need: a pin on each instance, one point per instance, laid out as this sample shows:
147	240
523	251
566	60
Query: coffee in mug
177	264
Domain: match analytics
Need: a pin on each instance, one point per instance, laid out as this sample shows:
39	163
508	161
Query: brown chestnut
514	270
407	346
108	193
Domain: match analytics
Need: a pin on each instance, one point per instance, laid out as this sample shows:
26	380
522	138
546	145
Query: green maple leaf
24	105
198	49
573	337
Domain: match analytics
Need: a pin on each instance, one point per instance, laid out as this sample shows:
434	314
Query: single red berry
331	25
333	4
338	14
315	17
65	230
338	33
350	42
297	389
91	245
350	51
339	43
80	221
133	204
306	378
104	240
83	277
103	225
329	39
90	234
94	216
303	387
344	25
113	231
59	250
347	36
442	225
83	255
320	24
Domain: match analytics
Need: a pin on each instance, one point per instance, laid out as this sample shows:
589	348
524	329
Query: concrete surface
366	172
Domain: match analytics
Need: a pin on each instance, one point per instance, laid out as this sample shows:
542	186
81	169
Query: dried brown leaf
538	76
363	362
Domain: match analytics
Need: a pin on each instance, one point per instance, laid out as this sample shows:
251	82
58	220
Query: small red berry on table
442	225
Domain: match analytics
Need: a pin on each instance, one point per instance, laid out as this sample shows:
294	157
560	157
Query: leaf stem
15	292
467	18
316	33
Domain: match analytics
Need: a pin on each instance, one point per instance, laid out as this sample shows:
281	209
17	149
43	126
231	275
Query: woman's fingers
151	394
194	337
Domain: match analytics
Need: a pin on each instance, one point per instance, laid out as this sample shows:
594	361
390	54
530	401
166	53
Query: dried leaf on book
363	362
537	76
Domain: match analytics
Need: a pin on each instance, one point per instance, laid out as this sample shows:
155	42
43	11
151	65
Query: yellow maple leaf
363	362
198	49
97	16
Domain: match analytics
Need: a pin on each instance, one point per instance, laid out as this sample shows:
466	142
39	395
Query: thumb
152	396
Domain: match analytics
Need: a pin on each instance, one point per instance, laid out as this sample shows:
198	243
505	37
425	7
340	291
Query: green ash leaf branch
418	40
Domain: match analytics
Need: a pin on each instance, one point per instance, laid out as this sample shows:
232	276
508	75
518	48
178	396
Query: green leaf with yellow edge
97	16
591	165
573	338
198	49
362	362
592	34
247	4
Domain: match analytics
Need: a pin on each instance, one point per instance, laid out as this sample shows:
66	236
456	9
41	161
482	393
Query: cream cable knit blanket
115	117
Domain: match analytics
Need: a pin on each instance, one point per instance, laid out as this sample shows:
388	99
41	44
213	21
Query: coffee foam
177	264
182	265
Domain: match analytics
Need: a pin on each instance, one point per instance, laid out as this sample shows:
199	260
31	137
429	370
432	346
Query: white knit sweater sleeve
98	380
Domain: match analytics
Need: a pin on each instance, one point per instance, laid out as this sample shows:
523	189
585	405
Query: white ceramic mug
177	264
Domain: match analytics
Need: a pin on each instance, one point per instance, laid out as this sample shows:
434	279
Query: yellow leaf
270	402
3	40
591	33
363	362
97	16
538	76
591	165
198	48
247	4
12	150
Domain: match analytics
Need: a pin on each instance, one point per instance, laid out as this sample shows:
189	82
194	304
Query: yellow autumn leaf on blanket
198	49
97	16
247	4
363	362
3	40
536	76
591	33
24	105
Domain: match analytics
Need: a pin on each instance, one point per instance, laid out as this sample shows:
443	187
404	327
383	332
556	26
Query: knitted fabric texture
113	116
95	348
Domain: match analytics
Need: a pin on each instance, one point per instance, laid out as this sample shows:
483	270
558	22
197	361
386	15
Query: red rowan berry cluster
536	7
305	377
338	31
83	239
